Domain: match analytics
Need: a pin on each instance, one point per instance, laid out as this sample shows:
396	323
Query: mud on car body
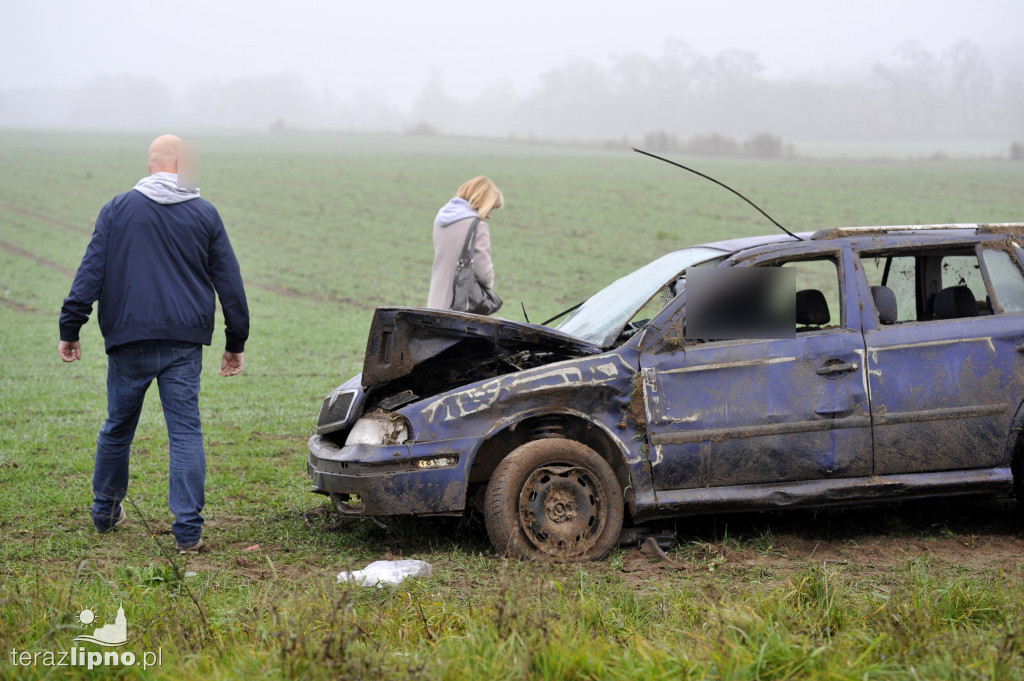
901	375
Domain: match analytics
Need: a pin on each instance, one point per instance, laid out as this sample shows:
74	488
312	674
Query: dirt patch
971	537
637	409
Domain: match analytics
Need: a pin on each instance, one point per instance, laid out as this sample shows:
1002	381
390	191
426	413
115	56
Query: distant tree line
917	94
723	103
762	145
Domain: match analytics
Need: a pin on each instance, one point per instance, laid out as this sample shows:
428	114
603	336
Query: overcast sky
391	47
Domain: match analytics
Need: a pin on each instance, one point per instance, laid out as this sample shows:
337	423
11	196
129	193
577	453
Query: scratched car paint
901	377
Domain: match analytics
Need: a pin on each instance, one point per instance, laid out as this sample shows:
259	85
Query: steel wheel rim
562	510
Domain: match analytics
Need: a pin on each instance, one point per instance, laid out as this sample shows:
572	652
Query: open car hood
403	338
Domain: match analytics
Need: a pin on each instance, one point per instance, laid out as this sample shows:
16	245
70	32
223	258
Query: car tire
553	500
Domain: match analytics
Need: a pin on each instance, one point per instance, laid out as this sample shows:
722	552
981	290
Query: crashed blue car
893	369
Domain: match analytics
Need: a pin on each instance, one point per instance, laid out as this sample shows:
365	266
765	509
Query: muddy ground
964	536
951	536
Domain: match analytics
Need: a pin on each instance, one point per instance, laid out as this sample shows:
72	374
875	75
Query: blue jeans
131	368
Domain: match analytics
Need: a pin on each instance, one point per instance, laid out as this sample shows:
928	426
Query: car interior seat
954	302
811	310
885	303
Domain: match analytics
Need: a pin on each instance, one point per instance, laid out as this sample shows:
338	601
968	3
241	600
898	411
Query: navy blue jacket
154	268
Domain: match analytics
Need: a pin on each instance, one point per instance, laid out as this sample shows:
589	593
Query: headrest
885	303
955	302
811	308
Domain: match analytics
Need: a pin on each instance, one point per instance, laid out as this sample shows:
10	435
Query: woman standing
475	199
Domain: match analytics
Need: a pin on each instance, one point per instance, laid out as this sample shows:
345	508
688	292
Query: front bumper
409	479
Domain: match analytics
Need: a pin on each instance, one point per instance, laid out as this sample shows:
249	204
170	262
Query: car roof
744	243
954	229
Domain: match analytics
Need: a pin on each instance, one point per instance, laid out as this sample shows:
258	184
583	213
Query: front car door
745	412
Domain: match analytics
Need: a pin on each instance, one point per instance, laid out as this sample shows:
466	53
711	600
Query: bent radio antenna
720	184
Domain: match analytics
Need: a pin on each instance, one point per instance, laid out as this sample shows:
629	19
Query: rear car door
946	372
735	412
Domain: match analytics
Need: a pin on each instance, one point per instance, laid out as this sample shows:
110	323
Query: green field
326	228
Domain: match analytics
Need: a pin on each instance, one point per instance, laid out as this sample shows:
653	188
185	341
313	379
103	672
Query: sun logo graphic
115	634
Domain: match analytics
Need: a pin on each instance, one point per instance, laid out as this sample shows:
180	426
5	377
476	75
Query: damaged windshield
602	317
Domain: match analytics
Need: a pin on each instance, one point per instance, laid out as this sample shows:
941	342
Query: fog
679	74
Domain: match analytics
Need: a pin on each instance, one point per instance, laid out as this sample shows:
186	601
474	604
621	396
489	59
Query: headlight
336	411
380	428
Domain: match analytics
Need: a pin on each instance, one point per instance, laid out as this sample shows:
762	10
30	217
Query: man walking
156	258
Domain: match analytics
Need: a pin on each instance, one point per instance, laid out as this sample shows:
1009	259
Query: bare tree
913	85
970	82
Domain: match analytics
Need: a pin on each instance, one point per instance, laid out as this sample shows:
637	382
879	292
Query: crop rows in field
35	216
327	227
352	227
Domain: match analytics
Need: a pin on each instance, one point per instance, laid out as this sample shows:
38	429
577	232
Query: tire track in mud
288	292
19	307
45	218
284	291
21	253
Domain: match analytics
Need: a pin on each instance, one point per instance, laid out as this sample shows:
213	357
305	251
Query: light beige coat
448	242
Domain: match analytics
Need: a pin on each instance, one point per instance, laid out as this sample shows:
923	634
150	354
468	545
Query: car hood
403	338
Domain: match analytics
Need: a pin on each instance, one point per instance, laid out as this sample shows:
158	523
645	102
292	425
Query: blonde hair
482	195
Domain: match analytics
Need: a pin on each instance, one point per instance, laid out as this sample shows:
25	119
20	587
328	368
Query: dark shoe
189	550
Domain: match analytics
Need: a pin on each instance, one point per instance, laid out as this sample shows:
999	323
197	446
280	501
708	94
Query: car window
739	303
896	273
601	318
964	270
1005	276
804	296
931	284
653	306
821	275
664	296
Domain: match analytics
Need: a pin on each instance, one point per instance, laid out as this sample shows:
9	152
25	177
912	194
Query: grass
328	227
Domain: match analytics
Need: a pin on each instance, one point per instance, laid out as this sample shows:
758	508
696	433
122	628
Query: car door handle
827	369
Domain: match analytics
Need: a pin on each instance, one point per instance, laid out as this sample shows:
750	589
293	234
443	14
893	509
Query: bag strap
467	248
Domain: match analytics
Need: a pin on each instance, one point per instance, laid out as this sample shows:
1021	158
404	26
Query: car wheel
553	500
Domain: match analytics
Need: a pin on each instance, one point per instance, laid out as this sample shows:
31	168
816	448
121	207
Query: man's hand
70	351
231	365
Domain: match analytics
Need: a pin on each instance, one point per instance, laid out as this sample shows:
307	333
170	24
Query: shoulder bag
469	294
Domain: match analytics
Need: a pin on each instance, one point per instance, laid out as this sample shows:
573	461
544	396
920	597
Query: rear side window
935	284
964	270
896	272
1005	276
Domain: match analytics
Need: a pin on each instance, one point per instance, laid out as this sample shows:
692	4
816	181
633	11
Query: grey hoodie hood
453	211
163	188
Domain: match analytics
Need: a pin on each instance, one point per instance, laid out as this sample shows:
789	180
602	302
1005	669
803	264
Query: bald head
163	154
